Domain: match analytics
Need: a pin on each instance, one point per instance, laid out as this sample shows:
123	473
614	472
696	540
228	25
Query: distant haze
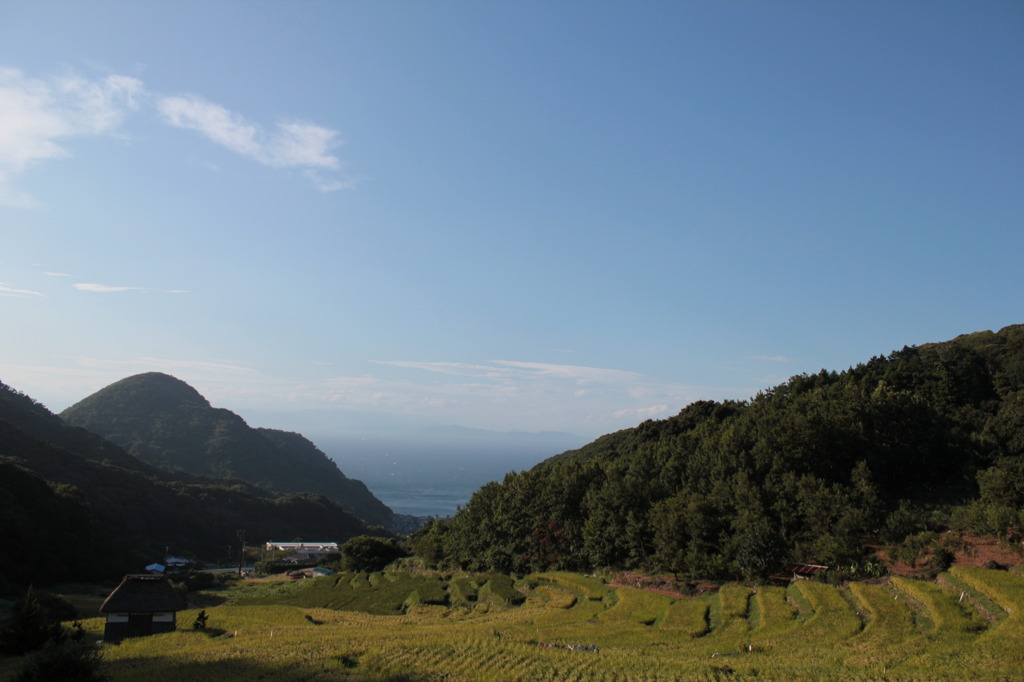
413	466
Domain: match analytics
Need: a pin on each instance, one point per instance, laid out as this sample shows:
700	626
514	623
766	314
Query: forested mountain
926	438
74	506
167	423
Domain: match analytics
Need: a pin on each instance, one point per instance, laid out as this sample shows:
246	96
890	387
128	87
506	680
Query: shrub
942	559
199	580
365	553
62	661
57	607
29	627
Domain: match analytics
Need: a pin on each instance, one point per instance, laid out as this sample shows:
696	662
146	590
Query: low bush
62	661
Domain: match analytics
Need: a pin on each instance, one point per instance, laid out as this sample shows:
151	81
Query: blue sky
528	216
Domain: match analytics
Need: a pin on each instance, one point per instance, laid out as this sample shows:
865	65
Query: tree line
816	469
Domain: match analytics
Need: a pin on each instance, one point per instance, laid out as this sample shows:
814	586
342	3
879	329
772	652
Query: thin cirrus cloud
514	370
103	288
108	289
292	144
6	290
209	369
40	116
505	378
554	396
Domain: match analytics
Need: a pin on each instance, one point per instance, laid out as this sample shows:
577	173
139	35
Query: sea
422	500
434	475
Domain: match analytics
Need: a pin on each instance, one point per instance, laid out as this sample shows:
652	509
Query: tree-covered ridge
167	423
810	470
74	506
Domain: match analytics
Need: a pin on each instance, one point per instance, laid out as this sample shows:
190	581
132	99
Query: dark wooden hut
141	605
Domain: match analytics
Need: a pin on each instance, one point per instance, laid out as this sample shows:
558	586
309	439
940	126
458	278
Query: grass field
559	626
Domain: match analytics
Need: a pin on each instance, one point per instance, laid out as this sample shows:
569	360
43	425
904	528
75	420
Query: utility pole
241	554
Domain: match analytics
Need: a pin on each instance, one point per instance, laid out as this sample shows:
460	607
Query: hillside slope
167	423
76	506
814	469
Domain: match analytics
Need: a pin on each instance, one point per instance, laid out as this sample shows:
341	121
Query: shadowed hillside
167	423
75	506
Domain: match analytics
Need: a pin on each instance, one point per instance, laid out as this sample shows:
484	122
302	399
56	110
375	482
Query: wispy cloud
57	274
103	288
641	413
770	358
39	117
169	365
6	290
108	289
557	396
99	107
511	370
291	144
574	373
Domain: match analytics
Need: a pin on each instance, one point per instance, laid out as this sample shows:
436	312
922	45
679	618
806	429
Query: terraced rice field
571	627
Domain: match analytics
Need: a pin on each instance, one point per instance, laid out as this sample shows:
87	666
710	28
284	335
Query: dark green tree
29	626
366	553
759	550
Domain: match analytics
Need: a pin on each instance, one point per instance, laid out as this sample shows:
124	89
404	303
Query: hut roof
143	594
807	569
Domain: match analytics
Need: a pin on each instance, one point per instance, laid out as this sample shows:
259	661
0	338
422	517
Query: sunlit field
559	626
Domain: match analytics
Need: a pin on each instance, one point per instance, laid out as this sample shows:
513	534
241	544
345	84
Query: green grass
311	630
463	591
834	620
947	618
347	591
589	587
636	607
976	599
500	589
1006	589
688	617
733	600
890	634
774	613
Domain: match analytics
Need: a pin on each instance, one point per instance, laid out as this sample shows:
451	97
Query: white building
301	551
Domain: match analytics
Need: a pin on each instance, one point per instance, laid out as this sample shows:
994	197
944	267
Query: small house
141	605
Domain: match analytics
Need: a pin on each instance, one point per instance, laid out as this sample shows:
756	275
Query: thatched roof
143	594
